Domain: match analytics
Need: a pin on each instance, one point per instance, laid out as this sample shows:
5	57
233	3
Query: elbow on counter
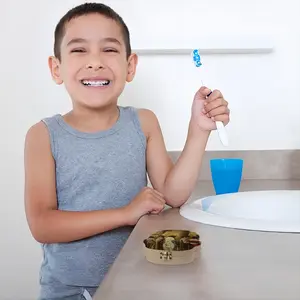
176	203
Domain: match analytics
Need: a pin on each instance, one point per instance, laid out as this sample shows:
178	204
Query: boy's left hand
208	109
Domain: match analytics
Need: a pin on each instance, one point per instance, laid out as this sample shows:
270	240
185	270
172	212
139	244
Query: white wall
263	91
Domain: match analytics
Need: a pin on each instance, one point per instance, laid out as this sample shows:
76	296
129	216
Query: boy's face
93	66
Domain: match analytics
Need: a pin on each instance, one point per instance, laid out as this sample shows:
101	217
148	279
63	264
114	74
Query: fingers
213	95
156	211
216	107
157	201
220	113
158	193
210	104
155	194
220	110
159	196
157	206
203	93
215	104
222	118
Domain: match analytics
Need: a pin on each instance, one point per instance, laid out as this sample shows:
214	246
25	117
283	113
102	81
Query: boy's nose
94	66
95	62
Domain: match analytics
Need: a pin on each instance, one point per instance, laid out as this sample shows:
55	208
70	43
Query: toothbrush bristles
196	58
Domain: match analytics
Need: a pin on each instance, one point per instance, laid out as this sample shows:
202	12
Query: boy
86	171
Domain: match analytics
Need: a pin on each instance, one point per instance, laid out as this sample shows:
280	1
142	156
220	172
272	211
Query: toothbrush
220	126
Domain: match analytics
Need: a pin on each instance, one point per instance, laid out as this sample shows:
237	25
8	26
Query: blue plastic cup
226	174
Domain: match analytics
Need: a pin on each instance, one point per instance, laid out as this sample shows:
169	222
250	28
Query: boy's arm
46	222
176	182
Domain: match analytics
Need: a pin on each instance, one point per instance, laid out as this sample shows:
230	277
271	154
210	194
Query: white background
262	89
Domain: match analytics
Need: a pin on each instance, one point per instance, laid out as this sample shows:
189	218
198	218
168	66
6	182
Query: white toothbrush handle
221	129
222	133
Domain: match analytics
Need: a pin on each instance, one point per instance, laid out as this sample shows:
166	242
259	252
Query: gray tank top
94	171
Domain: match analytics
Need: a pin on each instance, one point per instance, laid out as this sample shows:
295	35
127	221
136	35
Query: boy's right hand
147	201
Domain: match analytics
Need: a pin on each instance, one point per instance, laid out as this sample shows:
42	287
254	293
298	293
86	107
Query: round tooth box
172	247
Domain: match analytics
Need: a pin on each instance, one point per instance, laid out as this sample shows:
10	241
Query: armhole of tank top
51	138
138	126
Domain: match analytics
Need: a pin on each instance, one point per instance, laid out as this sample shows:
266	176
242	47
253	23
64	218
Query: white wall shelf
242	44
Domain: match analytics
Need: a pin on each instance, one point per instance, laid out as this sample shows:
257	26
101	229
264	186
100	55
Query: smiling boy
86	171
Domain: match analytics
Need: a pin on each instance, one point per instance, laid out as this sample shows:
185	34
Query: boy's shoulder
37	140
36	130
145	113
147	116
39	128
148	120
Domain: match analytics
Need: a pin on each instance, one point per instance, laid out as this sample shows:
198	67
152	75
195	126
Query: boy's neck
88	120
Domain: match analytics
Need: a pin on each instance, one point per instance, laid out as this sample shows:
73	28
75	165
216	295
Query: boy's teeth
95	82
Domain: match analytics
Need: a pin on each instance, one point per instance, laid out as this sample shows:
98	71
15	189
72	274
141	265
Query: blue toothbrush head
196	58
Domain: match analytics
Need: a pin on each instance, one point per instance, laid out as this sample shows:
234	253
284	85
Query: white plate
277	210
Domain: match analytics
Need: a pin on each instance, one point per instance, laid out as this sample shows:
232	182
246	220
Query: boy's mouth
95	83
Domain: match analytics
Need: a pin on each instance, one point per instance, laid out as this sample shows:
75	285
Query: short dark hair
86	9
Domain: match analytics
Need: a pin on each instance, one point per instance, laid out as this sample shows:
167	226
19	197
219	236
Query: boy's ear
54	66
132	63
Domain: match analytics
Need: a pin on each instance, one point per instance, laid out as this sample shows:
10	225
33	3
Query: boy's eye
78	50
110	50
